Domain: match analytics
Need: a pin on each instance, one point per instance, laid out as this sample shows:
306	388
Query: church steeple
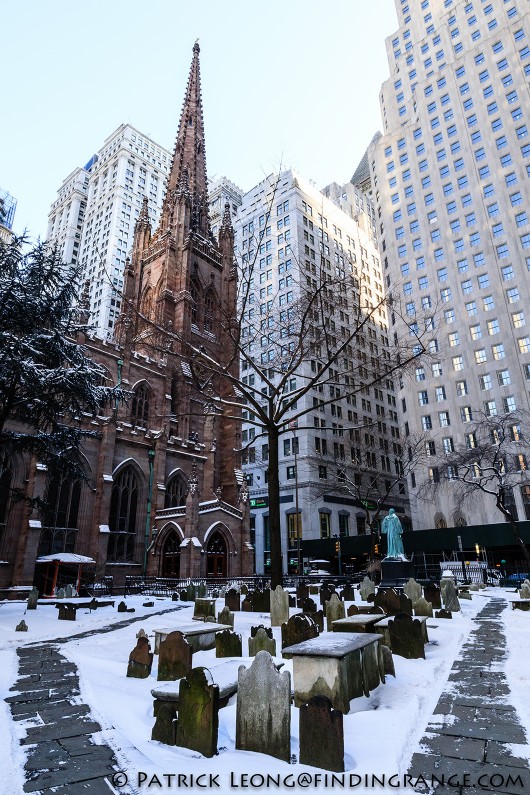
187	177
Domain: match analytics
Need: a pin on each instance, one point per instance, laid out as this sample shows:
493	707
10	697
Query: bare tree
493	462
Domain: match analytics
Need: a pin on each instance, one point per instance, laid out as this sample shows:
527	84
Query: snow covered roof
64	557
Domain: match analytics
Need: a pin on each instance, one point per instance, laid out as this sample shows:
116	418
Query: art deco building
451	183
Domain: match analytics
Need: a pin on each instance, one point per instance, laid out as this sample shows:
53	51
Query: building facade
8	206
164	494
451	183
292	238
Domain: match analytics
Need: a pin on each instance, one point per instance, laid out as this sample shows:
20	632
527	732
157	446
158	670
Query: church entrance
170	564
216	556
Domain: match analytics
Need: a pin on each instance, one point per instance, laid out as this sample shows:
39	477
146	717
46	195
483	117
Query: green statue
392	528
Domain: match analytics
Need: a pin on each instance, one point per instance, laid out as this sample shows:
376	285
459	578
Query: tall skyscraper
451	183
8	206
93	217
293	240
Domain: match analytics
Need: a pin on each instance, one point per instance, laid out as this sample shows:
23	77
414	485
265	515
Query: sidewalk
473	729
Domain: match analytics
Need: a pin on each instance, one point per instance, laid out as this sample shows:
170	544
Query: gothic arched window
123	516
176	491
140	404
195	297
62	501
209	303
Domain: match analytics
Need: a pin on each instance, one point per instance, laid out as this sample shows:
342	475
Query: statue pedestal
395	572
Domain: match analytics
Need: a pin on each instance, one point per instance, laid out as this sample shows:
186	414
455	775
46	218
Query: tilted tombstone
261	601
389	599
450	598
334	611
432	594
174	657
263	712
406	637
198	714
321	735
413	590
388	661
140	659
32	599
202	590
261	641
367	588
279	606
226	617
184	595
348	593
443	613
228	644
233	600
423	608
298	629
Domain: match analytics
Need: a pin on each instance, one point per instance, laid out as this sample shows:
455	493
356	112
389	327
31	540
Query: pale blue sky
284	81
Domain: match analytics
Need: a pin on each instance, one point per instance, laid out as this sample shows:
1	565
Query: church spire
188	169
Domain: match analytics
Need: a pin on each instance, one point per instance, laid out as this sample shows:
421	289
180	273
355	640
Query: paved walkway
473	729
61	751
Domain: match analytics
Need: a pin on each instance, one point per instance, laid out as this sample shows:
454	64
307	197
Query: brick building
165	494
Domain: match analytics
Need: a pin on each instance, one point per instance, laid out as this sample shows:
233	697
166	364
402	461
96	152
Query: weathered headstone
198	715
263	714
191	592
389	599
60	594
254	631
309	605
244	589
261	641
140	660
69	591
233	600
302	593
334	611
246	604
202	590
297	629
174	597
32	599
22	627
406	637
292	600
313	590
353	610
413	590
524	591
348	593
228	644
450	598
204	609
321	735
122	607
261	601
226	617
279	601
367	588
443	613
174	657
165	713
388	661
431	593
317	616
141	633
67	612
474	587
325	595
184	595
422	607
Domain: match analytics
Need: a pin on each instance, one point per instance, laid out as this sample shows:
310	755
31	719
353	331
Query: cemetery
265	682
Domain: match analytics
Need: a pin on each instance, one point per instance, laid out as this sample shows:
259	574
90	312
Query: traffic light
376	549
337	546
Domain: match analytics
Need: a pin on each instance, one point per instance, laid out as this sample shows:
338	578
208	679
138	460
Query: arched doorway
216	556
170	562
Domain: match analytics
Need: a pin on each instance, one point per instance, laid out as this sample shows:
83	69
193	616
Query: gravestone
348	593
450	598
465	595
279	606
122	607
443	614
204	609
353	610
22	627
174	657
226	617
388	661
309	605
191	592
201	590
141	633
228	644
148	604
325	595
474	587
524	591
174	597
261	641
32	599
67	612
244	589
184	595
413	590
389	599
334	610
406	637
261	601
297	629
321	735
292	600
302	593
233	600
254	630
246	604
367	588
69	592
432	594
140	660
317	616
263	713
165	713
313	590
423	608
198	714
60	594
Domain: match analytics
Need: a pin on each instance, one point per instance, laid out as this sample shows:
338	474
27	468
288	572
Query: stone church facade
165	494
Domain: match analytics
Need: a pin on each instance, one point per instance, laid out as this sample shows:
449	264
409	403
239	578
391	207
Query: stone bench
359	622
340	666
201	637
520	604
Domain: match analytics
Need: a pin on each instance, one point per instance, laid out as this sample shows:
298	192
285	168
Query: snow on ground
517	628
381	732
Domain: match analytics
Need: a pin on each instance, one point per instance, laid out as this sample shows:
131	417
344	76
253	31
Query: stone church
164	494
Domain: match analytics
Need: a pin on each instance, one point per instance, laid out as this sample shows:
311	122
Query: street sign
259	502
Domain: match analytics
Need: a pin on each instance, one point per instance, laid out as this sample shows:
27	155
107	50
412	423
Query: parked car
518	578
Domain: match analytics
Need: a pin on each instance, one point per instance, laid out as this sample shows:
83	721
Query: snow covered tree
47	381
